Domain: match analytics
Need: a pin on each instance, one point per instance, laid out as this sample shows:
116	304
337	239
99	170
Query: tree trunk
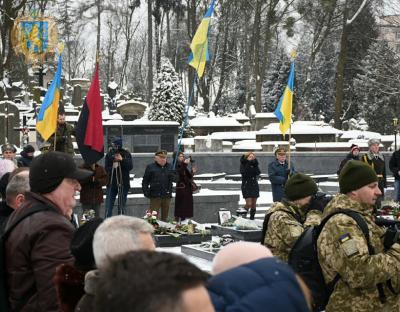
98	28
256	46
342	59
149	52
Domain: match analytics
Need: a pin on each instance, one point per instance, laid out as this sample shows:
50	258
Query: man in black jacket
157	183
118	164
394	165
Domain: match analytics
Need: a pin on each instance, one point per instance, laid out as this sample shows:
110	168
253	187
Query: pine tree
168	101
275	82
376	87
318	99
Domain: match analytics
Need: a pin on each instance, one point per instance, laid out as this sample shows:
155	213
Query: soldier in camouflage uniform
64	134
291	216
343	250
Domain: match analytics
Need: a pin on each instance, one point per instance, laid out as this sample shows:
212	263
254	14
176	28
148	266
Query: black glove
392	236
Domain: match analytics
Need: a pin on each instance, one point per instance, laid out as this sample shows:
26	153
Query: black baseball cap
48	170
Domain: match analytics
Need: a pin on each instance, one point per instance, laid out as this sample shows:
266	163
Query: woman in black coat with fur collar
250	189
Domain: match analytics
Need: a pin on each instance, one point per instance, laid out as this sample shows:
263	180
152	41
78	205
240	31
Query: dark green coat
63	139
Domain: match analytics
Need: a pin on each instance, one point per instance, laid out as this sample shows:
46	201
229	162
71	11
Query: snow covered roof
265	115
239	116
234	135
302	127
250	145
214	122
139	122
105	114
358	134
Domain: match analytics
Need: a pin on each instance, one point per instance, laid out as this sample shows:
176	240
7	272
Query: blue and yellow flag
199	45
46	122
284	109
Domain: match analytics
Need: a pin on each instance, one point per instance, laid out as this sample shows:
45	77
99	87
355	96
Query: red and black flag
89	130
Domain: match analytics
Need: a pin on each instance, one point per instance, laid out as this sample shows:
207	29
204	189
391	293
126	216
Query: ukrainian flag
284	109
46	122
199	45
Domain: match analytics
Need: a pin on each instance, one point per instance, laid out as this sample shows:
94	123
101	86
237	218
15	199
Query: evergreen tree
275	82
315	97
362	33
376	87
168	101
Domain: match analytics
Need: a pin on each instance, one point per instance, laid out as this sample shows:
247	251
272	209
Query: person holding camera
118	164
278	173
184	192
368	271
157	183
286	220
63	136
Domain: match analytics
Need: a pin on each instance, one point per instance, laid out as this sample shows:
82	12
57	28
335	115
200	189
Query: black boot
252	213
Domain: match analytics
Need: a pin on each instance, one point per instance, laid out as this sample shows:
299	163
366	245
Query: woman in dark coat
184	194
250	189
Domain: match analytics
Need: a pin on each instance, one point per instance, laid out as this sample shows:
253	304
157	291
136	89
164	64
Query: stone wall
205	206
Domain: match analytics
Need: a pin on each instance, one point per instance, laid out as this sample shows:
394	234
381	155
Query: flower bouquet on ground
151	217
390	210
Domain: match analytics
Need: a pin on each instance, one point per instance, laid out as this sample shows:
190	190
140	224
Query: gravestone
77	96
10	125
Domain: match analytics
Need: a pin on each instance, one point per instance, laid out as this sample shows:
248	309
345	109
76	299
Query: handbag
195	187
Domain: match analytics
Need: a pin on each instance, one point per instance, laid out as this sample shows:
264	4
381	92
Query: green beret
300	186
354	175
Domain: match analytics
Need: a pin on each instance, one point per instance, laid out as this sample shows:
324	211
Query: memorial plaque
246	235
172	241
200	252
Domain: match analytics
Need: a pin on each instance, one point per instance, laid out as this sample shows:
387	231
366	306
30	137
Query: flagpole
190	99
289	154
55	136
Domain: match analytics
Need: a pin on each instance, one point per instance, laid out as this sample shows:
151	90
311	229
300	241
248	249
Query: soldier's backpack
303	258
4	303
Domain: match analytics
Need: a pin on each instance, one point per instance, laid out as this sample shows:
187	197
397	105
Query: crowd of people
47	263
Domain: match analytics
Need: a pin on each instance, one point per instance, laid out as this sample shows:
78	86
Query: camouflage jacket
343	250
63	139
287	222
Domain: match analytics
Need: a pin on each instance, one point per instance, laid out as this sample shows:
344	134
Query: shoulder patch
348	245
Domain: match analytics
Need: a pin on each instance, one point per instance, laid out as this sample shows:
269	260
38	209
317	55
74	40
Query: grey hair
19	184
118	235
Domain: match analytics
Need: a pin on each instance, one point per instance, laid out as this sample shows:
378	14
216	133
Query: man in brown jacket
40	242
91	195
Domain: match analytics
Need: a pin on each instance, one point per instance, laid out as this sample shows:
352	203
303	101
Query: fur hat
373	141
354	175
300	186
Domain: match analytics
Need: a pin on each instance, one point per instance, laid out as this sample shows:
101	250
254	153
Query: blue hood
263	285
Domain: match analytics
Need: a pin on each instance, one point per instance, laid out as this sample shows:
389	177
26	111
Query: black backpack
4	303
303	258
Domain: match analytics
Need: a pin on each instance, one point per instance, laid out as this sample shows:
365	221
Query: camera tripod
117	173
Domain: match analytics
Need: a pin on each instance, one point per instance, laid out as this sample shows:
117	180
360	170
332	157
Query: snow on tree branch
349	21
